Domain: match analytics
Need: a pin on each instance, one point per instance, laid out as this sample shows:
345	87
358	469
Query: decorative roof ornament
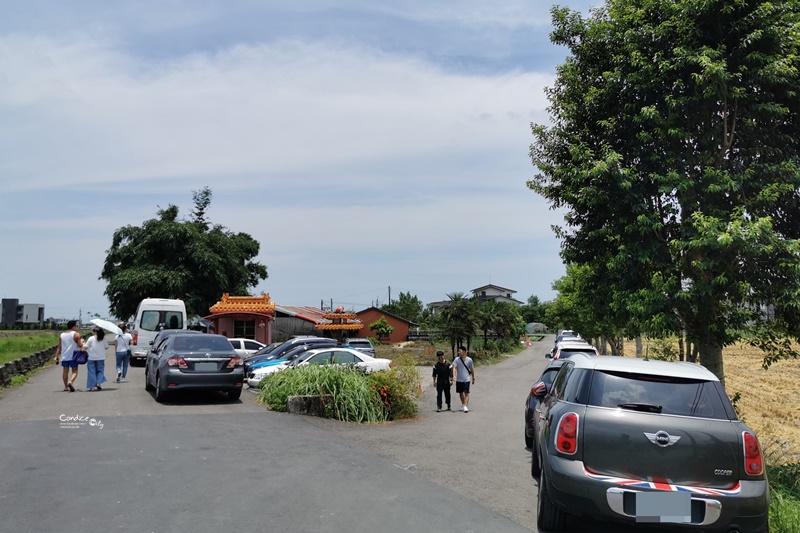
244	304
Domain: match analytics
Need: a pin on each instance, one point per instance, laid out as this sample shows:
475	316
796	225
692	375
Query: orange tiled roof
334	327
243	304
351	316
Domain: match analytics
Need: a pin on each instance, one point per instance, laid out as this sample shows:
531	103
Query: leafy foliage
674	148
406	306
357	397
381	327
169	258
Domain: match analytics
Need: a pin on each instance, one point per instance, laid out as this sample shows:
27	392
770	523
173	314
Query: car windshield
662	394
201	343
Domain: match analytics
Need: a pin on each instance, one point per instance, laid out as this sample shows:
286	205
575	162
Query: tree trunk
639	346
711	358
681	350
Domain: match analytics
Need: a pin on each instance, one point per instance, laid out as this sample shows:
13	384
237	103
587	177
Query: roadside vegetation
355	396
12	348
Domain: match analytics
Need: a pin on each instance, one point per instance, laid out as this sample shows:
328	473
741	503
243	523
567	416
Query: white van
153	315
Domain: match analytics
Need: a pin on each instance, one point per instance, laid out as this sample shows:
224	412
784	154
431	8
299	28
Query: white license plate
664	507
205	367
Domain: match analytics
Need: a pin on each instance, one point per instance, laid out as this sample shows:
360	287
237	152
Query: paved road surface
93	461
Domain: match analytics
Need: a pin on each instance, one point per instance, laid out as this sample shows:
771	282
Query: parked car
534	396
255	377
565	335
567	348
284	347
289	356
200	361
360	344
345	356
245	347
164	333
637	440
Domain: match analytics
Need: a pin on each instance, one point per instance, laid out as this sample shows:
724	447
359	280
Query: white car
245	347
336	355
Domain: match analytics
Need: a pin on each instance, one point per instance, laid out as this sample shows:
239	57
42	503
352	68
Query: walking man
69	342
463	369
442	380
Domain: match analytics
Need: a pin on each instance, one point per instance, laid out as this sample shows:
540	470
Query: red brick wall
400	333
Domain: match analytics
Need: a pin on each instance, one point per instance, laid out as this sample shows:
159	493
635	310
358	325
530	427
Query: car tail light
177	361
391	364
235	361
567	434
753	463
136	338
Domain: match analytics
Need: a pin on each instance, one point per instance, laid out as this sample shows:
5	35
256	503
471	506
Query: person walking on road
96	365
463	369
442	380
69	343
123	353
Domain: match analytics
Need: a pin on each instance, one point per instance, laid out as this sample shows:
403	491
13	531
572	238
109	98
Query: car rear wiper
646	407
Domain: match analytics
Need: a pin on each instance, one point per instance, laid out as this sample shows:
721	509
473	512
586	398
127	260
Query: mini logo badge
661	438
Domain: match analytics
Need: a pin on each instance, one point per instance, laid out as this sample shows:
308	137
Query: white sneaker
466	409
123	380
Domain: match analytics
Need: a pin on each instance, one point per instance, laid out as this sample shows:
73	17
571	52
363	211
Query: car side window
250	345
561	380
577	387
320	359
343	357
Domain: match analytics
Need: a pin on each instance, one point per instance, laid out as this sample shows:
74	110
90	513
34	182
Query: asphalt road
116	459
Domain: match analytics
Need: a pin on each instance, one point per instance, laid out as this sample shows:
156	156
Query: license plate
664	507
205	367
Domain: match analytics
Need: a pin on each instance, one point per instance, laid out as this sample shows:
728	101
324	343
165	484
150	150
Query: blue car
290	355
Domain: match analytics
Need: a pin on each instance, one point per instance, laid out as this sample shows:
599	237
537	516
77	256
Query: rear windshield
153	320
566	354
359	344
670	395
201	343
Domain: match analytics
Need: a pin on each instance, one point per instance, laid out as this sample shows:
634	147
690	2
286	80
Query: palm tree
458	322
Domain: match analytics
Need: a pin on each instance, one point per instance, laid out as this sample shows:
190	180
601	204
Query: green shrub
785	478
784	513
357	397
663	350
398	388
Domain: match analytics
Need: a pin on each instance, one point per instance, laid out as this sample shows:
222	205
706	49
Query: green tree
674	149
406	306
533	311
381	327
458	321
187	259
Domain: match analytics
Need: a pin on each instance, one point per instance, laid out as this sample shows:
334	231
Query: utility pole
390	295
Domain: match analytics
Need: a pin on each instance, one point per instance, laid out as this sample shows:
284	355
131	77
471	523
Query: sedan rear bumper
744	508
176	380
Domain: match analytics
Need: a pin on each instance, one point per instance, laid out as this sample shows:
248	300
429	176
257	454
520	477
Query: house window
244	329
483	293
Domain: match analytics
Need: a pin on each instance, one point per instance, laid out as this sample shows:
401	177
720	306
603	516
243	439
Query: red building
400	325
244	317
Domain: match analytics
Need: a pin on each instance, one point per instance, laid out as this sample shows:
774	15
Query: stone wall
26	364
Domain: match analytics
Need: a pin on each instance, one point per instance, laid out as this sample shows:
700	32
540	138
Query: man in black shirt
442	380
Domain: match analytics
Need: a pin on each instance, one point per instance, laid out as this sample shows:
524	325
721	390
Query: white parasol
106	325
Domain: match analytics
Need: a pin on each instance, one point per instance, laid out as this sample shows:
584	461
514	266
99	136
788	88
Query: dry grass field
770	400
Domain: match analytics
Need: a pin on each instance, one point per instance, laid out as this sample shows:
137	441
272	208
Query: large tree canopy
406	306
187	259
674	149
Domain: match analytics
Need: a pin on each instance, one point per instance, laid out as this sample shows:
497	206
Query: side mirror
548	355
539	390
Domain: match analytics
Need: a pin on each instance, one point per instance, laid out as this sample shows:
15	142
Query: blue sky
365	145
